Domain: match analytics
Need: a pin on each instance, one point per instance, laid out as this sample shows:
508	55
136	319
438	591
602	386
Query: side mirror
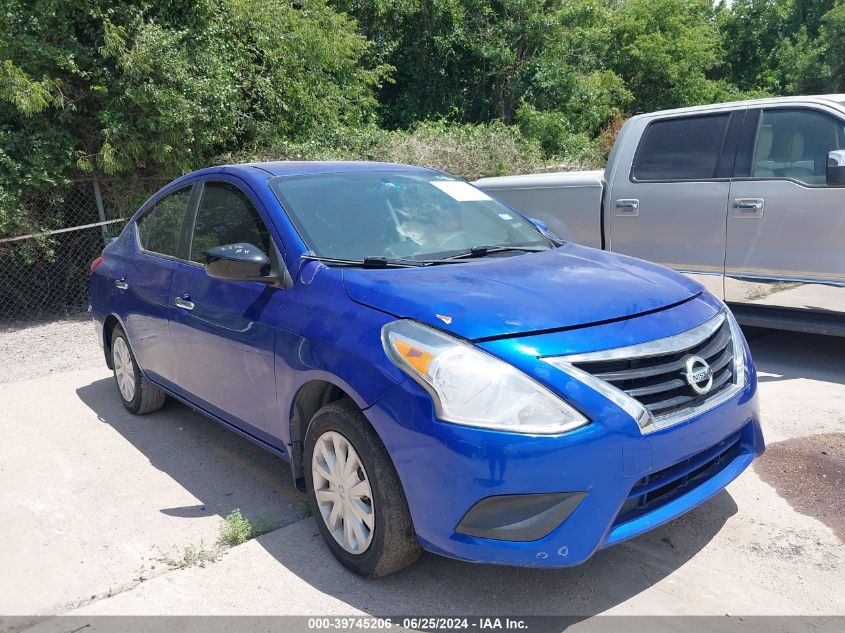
237	262
836	168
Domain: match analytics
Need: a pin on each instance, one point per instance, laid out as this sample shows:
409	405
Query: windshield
398	214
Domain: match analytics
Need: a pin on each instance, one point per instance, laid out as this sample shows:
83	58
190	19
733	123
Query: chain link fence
44	274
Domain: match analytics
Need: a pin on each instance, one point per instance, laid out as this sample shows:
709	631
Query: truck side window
681	148
795	143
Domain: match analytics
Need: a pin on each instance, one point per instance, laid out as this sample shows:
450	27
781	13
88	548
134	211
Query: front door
224	332
671	207
786	227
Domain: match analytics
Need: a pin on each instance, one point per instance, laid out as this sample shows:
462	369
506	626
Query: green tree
667	52
783	46
163	86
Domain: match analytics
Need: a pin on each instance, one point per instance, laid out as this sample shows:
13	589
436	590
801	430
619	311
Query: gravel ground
29	350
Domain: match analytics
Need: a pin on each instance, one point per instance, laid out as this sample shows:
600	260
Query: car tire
391	543
138	394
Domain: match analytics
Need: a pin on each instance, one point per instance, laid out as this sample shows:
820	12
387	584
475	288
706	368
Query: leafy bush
471	151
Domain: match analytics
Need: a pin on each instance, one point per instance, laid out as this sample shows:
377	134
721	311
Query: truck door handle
749	207
185	302
121	283
627	207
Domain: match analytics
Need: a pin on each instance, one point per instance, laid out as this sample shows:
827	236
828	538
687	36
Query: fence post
100	210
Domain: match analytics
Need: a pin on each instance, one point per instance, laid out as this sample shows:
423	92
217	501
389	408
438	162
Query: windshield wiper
481	251
371	262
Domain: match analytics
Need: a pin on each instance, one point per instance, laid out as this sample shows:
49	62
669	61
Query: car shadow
225	471
221	469
781	355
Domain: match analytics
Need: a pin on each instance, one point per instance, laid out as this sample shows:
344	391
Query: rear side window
226	216
160	228
681	149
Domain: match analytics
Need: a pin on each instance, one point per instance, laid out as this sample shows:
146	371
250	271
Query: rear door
223	332
142	282
668	201
786	227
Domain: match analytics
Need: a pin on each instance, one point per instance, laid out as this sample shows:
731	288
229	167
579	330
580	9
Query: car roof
834	99
304	167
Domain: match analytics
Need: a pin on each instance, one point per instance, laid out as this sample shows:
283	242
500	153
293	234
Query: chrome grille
660	383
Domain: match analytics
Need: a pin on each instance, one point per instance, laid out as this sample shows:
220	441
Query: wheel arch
110	322
309	398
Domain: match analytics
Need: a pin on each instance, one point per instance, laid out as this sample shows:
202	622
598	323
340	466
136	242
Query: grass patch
762	291
191	555
236	529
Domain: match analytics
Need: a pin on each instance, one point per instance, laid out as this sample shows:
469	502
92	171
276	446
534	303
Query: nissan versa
441	372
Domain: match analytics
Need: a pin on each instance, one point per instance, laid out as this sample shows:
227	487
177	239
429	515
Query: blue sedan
440	372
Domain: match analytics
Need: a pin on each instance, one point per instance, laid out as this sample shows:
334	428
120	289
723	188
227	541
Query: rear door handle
121	283
184	302
628	206
749	207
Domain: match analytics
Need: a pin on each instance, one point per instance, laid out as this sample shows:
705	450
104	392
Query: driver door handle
748	207
185	302
627	206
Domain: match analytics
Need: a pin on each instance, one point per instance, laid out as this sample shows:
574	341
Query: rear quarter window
681	149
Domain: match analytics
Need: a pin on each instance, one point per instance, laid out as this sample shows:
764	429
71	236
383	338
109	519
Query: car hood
567	287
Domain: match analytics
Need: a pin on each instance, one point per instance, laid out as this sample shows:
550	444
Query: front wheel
138	394
355	494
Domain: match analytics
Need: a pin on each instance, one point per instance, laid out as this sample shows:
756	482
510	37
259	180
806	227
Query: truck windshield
359	215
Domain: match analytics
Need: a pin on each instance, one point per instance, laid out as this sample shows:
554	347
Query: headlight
740	364
471	387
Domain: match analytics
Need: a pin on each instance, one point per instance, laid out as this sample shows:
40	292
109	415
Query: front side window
795	144
160	228
226	216
681	149
398	214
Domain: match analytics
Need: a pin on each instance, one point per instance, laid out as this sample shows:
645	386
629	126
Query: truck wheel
138	394
355	494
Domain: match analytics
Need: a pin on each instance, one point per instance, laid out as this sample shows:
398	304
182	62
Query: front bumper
632	483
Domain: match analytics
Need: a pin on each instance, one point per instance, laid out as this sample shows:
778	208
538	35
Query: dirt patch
809	473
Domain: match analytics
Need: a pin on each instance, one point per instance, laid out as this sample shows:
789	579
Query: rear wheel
138	394
355	494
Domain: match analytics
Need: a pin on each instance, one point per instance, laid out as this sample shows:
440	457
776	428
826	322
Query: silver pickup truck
748	198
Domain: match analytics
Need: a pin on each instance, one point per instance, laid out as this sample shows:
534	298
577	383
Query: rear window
681	149
160	228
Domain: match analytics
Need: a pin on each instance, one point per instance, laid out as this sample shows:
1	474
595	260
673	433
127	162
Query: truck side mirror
836	168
